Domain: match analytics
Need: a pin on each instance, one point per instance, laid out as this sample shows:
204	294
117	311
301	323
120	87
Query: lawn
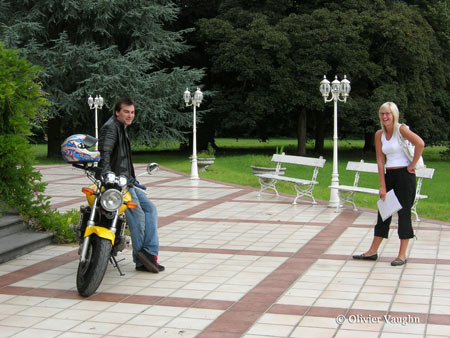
235	156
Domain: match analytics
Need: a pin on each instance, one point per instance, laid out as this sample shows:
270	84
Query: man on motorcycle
115	156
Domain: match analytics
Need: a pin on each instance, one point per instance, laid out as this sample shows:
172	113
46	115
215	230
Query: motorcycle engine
121	239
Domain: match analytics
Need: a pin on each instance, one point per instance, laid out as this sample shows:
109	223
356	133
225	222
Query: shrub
208	153
21	100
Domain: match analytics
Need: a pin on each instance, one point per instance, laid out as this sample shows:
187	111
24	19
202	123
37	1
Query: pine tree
111	48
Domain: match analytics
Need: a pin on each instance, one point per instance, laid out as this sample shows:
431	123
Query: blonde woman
396	172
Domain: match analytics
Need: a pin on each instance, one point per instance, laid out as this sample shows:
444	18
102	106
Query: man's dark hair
125	100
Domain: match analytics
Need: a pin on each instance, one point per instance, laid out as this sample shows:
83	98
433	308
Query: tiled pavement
236	266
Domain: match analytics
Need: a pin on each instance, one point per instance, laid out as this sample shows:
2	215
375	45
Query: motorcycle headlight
111	200
110	177
122	180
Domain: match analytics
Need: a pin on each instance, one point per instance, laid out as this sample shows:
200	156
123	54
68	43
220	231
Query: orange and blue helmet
74	149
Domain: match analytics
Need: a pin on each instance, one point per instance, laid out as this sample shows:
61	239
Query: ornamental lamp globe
198	97
187	96
325	87
91	102
96	101
335	86
345	87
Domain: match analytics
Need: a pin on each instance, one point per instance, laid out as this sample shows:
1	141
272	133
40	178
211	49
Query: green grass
40	151
234	158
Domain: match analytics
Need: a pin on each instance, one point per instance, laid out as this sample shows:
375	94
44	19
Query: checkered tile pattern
237	265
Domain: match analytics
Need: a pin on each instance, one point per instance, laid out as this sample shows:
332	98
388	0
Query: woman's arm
418	143
381	163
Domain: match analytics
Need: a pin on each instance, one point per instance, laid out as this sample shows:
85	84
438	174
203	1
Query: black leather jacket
115	149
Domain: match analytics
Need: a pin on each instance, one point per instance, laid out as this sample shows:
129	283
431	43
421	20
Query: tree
247	67
268	58
20	102
437	14
270	63
190	12
111	48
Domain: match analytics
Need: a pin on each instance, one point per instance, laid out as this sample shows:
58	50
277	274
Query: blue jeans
143	223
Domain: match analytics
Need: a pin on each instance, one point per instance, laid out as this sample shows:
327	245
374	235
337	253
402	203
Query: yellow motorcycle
102	223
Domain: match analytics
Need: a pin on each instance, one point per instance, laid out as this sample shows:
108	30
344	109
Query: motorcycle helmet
74	149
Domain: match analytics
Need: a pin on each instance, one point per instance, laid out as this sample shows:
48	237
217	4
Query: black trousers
404	185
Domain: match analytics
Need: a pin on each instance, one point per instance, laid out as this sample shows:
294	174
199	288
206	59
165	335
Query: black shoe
148	260
398	262
141	268
373	257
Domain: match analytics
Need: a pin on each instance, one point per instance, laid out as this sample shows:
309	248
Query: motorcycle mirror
152	168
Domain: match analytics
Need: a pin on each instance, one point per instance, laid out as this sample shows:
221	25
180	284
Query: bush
21	100
59	224
208	153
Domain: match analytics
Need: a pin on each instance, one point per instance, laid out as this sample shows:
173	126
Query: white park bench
302	187
347	192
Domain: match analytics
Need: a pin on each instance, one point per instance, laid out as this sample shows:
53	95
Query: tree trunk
320	132
54	138
301	132
206	132
369	142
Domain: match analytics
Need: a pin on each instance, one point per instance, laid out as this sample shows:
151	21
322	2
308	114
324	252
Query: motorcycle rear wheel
90	273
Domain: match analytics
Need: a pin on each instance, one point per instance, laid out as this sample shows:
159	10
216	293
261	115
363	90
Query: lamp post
194	102
96	103
339	92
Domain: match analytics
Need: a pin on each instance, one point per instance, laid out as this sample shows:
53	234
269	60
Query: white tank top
395	157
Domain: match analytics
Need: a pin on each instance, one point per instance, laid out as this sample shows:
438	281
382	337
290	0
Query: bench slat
357	189
373	168
362	166
425	172
309	161
286	179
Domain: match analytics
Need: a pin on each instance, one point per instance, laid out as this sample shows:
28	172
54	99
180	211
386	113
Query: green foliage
59	224
112	48
208	153
262	161
279	151
268	61
20	101
445	154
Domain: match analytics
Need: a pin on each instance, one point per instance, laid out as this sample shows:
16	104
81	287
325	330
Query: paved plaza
237	265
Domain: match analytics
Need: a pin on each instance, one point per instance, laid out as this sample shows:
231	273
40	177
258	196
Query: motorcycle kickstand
115	264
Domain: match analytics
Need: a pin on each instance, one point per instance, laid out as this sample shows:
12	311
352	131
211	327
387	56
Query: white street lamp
339	92
195	102
96	103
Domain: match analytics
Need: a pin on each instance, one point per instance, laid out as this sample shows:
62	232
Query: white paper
389	205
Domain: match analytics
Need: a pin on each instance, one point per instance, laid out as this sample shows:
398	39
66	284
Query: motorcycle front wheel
90	273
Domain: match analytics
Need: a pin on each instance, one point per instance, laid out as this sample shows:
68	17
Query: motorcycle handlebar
95	170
